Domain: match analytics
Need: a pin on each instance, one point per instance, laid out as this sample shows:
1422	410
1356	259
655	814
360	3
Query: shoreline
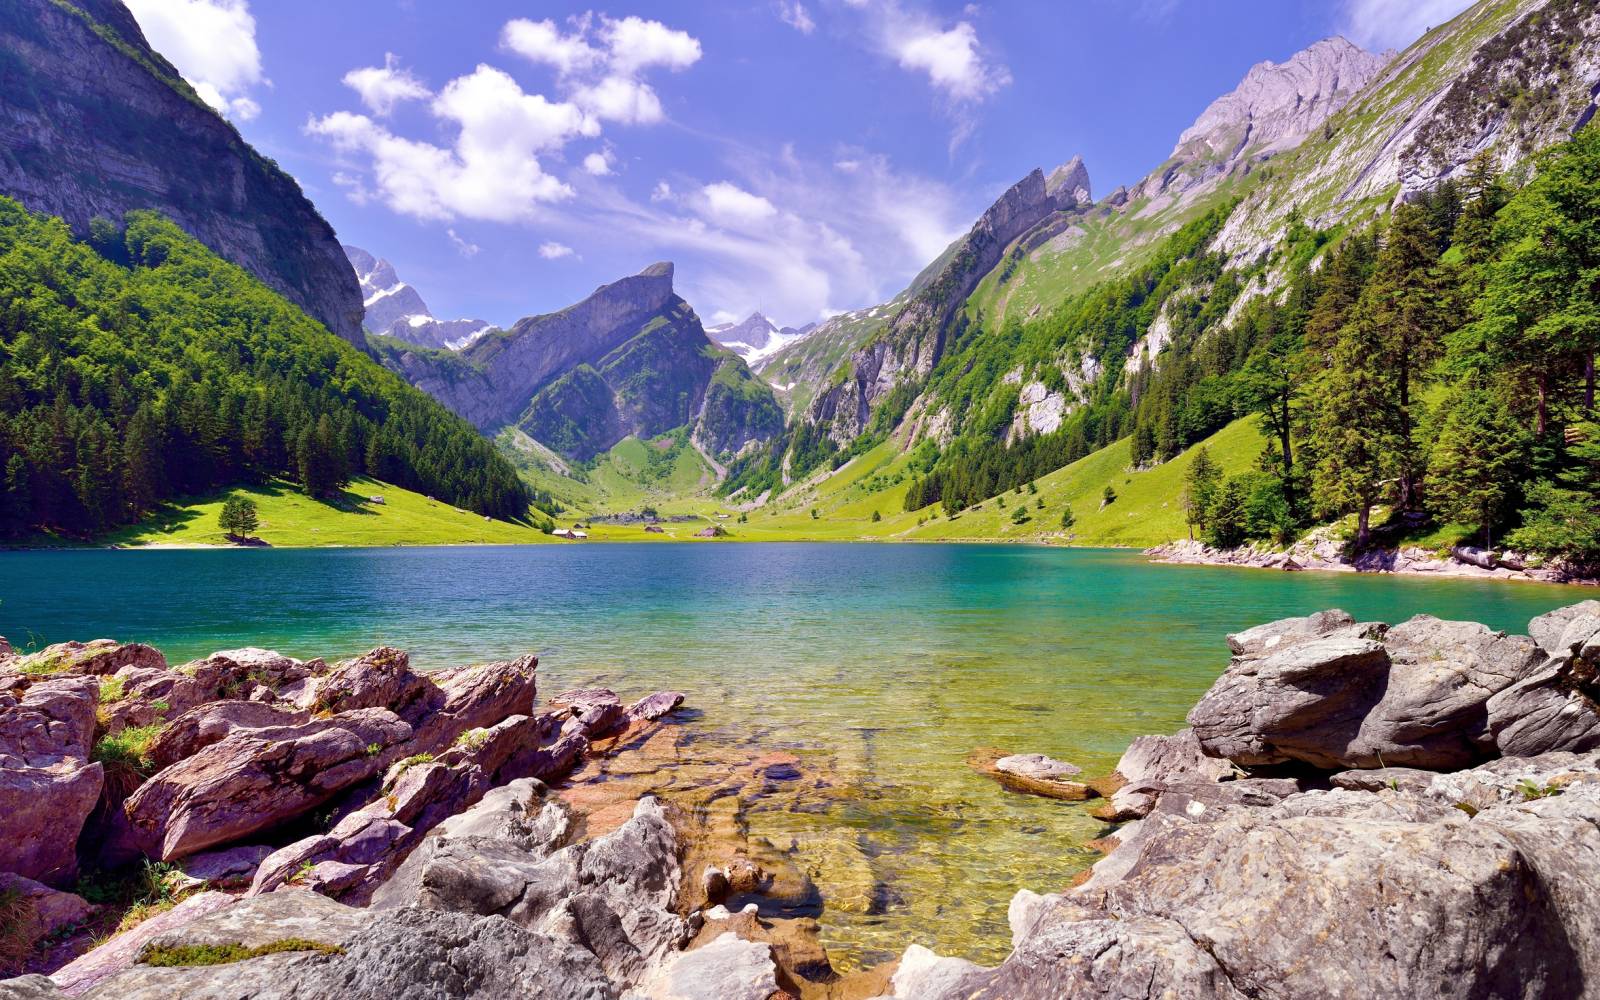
1323	557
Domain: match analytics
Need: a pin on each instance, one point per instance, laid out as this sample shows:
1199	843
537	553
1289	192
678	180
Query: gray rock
726	969
1326	694
1549	630
30	988
1150	765
1264	639
401	955
117	955
48	787
34	913
1037	766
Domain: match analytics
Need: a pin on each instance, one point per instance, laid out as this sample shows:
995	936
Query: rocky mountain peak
1278	104
396	309
1071	178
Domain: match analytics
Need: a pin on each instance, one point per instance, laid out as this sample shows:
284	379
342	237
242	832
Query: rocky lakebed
1356	809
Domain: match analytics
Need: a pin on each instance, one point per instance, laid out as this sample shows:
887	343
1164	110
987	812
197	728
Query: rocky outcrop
94	123
1317	551
1394	881
395	309
48	787
914	339
630	359
756	338
255	780
33	913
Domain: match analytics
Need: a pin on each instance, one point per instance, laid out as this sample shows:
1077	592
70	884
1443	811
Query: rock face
756	338
395	309
914	339
1392	882
1279	104
254	780
48	787
94	123
630	359
1334	693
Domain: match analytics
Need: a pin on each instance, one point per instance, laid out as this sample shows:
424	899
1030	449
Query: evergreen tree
143	474
239	518
1200	493
16	497
1067	519
1354	425
1476	455
1228	516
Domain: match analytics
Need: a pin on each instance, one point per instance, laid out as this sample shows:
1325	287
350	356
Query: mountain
632	359
757	338
395	309
1159	313
94	123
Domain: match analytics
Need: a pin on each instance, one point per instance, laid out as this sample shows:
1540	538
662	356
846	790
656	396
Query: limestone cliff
632	358
912	343
93	122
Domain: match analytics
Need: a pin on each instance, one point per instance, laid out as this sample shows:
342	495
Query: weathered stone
1030	774
726	969
1150	765
118	954
251	782
99	657
33	912
200	727
1550	630
654	706
472	698
232	868
381	678
1341	700
403	955
595	712
33	987
1265	639
48	788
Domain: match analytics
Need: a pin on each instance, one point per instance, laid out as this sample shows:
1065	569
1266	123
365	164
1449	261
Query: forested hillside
139	366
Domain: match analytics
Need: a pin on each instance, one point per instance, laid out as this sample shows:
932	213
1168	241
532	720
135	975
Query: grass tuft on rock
170	956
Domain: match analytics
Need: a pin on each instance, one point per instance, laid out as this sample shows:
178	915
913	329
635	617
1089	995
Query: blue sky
802	157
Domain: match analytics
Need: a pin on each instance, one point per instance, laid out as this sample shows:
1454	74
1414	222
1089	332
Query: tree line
137	367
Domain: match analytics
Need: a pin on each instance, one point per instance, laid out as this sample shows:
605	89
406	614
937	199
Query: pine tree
1228	516
1354	425
143	476
239	518
1476	455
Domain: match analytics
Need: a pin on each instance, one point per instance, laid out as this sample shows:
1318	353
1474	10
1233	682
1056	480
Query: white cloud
543	42
491	169
733	205
463	247
794	14
661	192
951	58
383	87
491	172
1384	24
212	43
554	251
601	62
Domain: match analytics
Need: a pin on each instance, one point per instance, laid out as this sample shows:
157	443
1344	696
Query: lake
883	665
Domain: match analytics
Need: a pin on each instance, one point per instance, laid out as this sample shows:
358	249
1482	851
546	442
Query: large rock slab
1152	764
1557	707
200	727
403	955
1330	693
48	787
728	968
248	782
99	657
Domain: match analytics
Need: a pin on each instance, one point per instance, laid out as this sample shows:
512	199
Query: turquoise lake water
883	665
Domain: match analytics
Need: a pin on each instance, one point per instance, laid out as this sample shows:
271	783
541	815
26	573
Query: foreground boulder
254	780
1558	707
1152	765
297	945
1333	693
48	787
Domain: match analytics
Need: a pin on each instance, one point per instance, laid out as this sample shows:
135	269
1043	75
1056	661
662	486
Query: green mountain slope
145	368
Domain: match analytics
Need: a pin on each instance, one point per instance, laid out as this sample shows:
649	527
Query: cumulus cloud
212	43
732	205
601	62
493	168
382	87
554	251
491	172
950	58
794	14
1386	24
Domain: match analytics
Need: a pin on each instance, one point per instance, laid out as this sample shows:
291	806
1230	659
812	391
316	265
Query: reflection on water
880	666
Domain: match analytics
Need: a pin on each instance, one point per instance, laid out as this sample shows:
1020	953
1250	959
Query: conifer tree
1476	455
1354	425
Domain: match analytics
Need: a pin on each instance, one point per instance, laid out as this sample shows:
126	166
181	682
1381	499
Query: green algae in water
881	667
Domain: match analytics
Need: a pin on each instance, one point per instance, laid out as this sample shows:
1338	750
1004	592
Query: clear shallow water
883	665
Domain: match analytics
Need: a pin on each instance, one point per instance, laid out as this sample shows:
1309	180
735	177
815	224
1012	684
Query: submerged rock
1031	774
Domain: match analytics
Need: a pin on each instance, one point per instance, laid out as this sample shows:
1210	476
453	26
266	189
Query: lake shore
1322	556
